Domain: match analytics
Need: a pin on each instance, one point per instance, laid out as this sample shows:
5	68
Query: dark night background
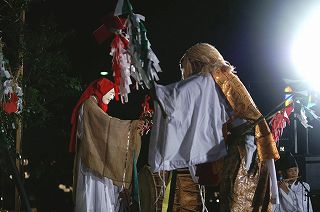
254	36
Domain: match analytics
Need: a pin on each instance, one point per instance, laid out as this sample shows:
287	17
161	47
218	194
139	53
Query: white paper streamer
147	70
9	86
273	181
137	62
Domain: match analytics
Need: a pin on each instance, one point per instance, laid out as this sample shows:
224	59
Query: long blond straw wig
202	58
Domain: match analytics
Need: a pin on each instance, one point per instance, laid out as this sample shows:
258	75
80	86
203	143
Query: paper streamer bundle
131	50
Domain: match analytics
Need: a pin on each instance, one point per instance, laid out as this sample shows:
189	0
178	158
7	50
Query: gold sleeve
245	108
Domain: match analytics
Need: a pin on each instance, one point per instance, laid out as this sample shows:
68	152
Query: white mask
108	96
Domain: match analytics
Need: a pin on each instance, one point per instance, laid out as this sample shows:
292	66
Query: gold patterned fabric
240	189
244	186
244	107
261	200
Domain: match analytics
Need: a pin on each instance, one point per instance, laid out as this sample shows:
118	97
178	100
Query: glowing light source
305	50
103	73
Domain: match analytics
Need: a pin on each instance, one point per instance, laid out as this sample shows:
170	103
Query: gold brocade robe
244	107
108	144
240	190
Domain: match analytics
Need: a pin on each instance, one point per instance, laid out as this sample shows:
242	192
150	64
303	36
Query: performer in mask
188	129
294	193
105	148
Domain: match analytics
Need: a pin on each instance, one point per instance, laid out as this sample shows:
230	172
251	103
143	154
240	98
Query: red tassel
279	122
146	115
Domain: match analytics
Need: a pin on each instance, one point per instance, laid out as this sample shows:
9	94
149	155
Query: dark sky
254	36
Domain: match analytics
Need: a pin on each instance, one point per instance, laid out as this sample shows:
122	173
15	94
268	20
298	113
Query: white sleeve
273	181
309	198
287	200
276	208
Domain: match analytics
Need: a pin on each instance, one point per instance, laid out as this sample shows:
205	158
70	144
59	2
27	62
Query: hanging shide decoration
144	63
10	101
280	121
144	60
300	102
121	61
11	92
131	50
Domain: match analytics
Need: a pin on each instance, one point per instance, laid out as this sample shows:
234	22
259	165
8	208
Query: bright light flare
305	52
104	73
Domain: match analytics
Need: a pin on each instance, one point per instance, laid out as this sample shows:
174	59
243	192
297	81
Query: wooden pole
19	121
18	164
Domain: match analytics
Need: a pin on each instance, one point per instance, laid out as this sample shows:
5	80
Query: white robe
94	193
295	200
191	133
